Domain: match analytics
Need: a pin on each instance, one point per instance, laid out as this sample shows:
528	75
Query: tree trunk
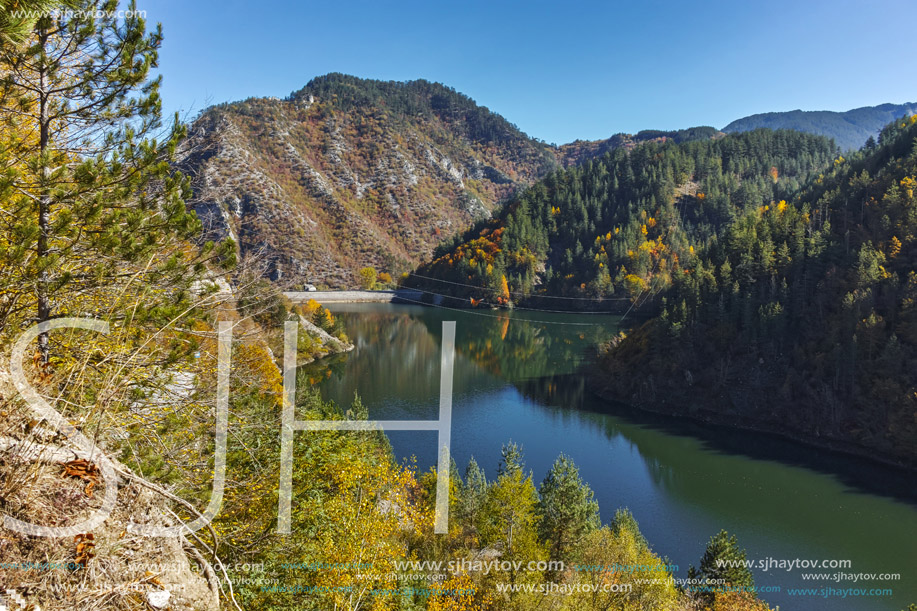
44	203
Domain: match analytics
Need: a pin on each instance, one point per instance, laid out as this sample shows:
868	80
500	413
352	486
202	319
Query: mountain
349	172
850	129
620	227
801	319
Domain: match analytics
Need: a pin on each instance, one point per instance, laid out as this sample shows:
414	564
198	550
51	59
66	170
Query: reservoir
518	378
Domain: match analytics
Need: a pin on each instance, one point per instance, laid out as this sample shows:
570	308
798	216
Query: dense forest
620	228
580	151
802	313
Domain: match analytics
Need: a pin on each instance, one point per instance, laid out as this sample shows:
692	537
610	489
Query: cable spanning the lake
510	318
496	305
527	295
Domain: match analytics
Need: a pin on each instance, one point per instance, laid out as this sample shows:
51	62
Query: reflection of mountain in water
566	391
664	453
395	363
397	359
527	345
517	379
397	356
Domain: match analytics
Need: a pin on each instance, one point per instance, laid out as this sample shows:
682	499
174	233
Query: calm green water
515	379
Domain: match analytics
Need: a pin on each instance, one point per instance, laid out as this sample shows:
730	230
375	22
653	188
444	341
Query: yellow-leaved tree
620	545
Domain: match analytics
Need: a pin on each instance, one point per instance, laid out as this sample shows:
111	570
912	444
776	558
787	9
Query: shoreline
356	296
704	416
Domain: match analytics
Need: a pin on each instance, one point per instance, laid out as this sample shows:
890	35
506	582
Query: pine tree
473	491
566	510
18	17
723	559
94	202
625	522
508	514
511	459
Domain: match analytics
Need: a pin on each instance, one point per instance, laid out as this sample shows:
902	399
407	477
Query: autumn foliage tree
368	278
504	296
617	545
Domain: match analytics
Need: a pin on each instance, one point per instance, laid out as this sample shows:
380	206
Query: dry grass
114	570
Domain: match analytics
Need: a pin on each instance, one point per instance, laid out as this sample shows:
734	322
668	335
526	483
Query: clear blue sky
558	70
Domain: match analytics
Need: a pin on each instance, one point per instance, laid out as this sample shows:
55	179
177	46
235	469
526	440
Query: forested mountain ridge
349	172
578	151
804	316
622	226
850	129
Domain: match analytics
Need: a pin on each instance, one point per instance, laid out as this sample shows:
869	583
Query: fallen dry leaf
84	470
85	548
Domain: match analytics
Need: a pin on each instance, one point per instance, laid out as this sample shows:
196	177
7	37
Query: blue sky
560	71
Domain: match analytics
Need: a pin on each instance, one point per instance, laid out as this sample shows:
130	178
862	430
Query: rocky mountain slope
850	129
349	172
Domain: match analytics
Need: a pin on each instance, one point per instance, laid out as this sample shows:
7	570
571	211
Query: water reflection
517	380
